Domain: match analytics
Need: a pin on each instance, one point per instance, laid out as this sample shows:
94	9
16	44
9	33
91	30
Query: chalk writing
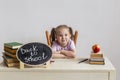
39	58
32	49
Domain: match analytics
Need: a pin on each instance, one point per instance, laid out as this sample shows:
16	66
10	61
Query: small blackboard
34	53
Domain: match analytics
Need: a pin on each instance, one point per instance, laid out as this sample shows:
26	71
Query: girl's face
63	36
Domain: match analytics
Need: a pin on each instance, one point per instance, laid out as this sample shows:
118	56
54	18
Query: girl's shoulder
55	43
71	41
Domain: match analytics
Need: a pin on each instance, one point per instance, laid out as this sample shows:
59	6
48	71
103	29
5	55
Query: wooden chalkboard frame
34	53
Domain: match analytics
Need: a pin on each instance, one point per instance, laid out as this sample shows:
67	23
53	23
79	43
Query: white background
97	21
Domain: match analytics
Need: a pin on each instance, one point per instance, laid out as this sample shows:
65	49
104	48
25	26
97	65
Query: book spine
96	55
11	64
96	59
11	55
99	63
13	45
12	60
12	51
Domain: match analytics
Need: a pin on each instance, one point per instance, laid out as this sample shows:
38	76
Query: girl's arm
69	54
56	54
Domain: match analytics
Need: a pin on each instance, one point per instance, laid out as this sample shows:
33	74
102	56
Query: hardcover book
96	55
9	54
11	64
12	51
96	59
13	45
97	63
9	59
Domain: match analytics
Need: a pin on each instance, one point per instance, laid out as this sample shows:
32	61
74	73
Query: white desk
61	69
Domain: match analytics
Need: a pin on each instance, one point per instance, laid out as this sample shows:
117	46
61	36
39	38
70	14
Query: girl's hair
54	31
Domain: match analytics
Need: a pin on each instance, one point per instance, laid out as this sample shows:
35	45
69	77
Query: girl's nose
63	37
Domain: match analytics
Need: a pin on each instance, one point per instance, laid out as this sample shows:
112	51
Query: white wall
98	21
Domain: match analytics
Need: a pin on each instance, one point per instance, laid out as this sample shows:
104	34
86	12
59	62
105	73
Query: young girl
63	45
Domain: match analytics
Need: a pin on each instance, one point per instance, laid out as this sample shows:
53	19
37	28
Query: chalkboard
34	53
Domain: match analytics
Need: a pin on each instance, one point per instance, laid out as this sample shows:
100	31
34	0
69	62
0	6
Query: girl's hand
69	54
62	52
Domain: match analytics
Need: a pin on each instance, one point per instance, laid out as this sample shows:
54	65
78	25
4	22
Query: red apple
96	48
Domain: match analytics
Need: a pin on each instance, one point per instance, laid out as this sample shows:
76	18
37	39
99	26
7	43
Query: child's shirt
69	46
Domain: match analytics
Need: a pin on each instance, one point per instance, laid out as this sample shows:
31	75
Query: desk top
65	65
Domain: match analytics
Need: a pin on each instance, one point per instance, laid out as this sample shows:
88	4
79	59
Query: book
9	59
96	59
96	55
11	64
13	45
9	54
97	62
12	51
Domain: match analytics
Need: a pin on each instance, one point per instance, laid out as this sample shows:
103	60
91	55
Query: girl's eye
60	35
65	34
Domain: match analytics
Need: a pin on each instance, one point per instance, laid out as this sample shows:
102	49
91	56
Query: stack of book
96	58
9	54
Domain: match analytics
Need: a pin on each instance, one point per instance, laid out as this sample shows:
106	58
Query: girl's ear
70	35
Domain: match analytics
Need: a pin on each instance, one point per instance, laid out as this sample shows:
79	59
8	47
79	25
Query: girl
63	45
